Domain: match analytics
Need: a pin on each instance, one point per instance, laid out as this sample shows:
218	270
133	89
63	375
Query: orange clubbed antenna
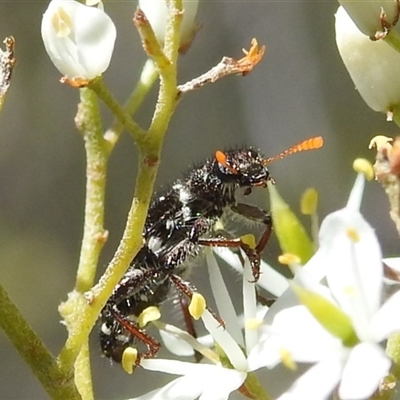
310	144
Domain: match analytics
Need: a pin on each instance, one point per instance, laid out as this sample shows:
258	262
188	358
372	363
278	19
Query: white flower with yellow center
339	327
79	39
214	382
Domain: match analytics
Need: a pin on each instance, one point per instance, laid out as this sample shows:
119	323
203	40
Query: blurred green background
300	89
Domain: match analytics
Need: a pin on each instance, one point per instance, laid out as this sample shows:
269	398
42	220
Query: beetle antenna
309	144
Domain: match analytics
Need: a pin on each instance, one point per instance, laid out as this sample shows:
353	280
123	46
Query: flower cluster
332	315
338	326
80	38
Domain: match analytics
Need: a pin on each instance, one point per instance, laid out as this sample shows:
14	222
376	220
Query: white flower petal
356	194
210	382
221	382
316	266
354	266
225	340
366	366
222	297
156	12
295	331
373	66
385	321
175	345
79	39
249	306
174	367
317	383
179	389
271	280
287	300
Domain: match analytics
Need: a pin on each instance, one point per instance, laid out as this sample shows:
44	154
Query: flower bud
79	39
367	14
156	12
291	234
373	65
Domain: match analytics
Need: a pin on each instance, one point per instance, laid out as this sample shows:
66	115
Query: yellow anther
309	202
364	166
353	235
288	259
197	306
149	314
129	358
61	23
350	290
249	240
287	359
253	324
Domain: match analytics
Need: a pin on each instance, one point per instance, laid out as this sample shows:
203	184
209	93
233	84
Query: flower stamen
353	235
149	314
253	324
61	23
287	359
129	358
197	306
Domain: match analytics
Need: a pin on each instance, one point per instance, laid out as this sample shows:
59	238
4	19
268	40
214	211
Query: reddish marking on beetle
221	158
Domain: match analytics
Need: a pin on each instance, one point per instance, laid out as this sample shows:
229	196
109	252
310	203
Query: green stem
147	78
150	145
254	387
315	231
387	389
121	114
173	30
57	382
83	373
88	122
251	387
130	244
150	43
393	350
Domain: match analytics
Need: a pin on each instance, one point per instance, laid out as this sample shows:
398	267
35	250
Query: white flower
204	381
366	14
156	12
373	66
270	280
214	382
340	331
207	382
79	39
338	327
